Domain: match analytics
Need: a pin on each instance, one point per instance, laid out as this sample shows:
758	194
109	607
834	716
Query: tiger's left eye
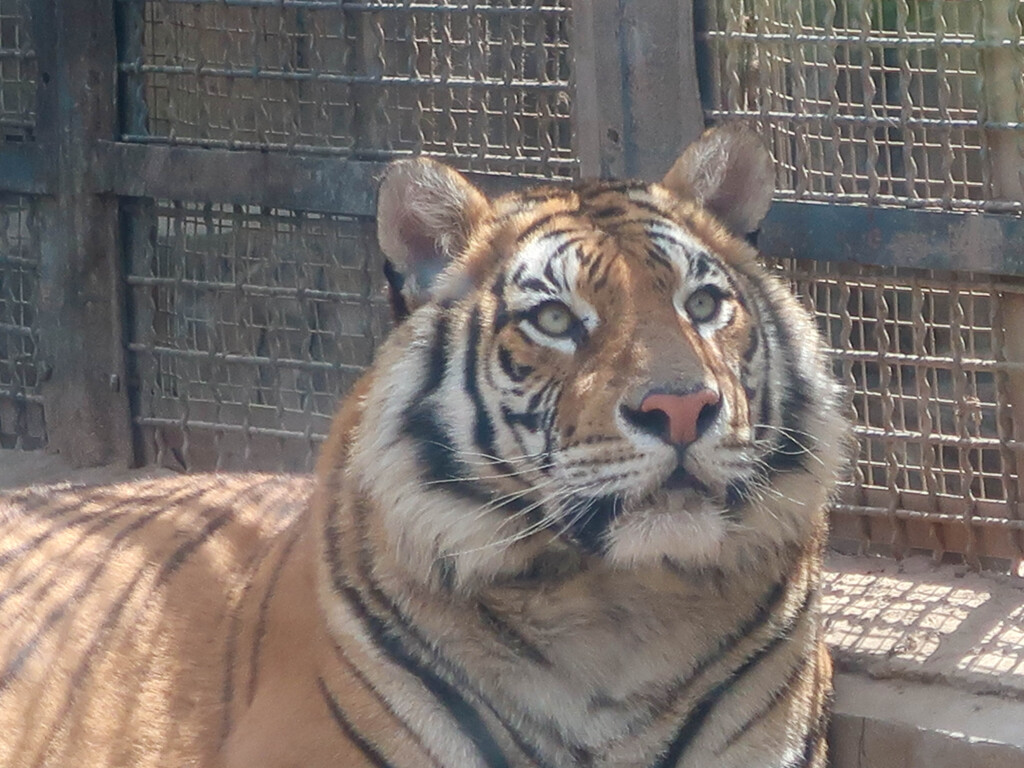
554	319
703	305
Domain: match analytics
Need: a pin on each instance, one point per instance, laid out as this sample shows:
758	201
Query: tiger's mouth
589	529
681	479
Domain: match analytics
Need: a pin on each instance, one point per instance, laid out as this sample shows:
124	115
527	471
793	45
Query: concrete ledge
930	665
899	724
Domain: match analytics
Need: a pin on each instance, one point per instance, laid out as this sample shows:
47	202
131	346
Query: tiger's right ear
730	172
425	214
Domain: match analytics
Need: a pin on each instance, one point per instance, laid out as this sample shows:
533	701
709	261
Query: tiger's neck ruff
576	507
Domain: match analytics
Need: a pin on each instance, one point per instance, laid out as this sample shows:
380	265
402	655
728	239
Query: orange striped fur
573	515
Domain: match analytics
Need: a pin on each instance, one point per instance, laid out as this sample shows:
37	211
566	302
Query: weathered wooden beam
242	177
880	236
888	237
324	184
637	98
599	123
80	303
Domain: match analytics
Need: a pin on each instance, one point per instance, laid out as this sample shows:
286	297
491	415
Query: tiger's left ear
425	214
730	172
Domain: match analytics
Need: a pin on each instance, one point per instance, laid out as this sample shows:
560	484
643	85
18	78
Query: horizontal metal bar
887	357
384	81
966	242
334	185
911	203
275	291
20	395
233	359
361	155
965	284
17	53
27	168
483	10
496	162
18	261
16	330
870	121
283	434
928	42
17	122
930	517
935	438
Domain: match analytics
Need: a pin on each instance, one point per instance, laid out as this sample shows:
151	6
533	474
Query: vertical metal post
637	94
369	122
81	291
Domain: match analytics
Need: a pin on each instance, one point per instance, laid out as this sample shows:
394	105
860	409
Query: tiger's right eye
703	304
554	319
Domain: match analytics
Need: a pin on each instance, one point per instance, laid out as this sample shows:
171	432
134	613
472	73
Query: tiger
573	515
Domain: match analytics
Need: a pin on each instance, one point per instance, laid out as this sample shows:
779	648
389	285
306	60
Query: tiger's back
110	597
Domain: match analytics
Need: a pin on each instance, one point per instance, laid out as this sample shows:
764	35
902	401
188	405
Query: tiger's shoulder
110	596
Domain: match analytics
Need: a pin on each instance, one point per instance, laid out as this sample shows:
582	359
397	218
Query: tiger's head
598	375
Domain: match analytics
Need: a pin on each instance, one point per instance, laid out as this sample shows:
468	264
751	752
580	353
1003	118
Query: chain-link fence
17	73
887	102
249	324
21	414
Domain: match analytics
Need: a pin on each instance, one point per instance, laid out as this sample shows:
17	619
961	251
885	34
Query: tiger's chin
684	527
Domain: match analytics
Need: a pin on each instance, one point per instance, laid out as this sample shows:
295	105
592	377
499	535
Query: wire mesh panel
901	102
21	406
248	325
17	73
483	85
920	354
21	410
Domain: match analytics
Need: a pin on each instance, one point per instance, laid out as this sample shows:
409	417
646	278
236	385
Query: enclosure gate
188	266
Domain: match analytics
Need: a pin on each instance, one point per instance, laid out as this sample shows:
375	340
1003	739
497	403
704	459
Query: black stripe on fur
784	689
437	456
385	637
219	516
346	727
698	715
56	614
789	452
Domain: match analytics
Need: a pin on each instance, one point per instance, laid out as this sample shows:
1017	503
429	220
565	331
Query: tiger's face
600	374
615	348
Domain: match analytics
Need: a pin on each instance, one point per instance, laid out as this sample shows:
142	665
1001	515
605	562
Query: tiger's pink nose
688	416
